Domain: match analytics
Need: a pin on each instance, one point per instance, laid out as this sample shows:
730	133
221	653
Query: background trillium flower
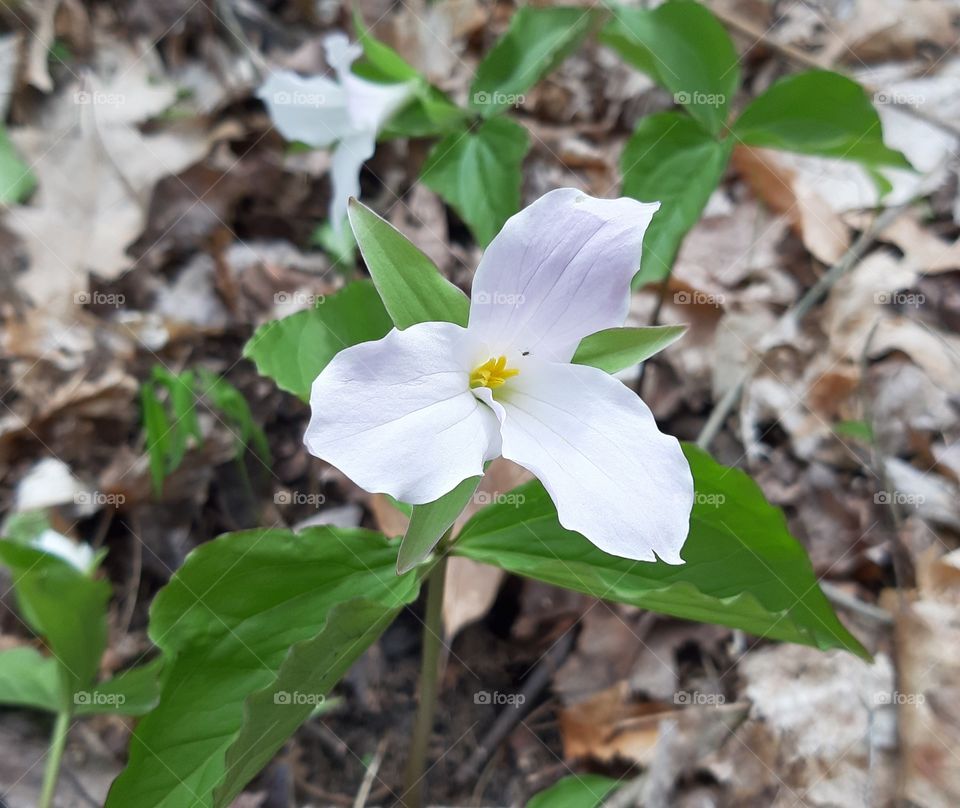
415	413
348	112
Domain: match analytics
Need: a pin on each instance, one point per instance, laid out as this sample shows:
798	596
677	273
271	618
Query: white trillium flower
76	554
346	114
417	412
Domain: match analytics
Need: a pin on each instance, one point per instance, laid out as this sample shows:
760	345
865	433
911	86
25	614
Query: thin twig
511	715
318	793
845	600
370	775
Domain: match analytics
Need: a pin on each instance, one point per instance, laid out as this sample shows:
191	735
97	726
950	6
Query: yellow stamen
492	373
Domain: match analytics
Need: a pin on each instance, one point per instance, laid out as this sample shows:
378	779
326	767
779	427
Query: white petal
312	110
340	53
594	445
397	415
348	158
558	271
78	555
371	104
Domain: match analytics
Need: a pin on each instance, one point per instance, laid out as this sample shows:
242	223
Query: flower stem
429	679
51	773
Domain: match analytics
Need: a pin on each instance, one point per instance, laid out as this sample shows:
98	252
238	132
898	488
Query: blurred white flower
77	554
346	114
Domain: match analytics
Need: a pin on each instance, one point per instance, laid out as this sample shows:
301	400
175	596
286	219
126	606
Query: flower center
492	373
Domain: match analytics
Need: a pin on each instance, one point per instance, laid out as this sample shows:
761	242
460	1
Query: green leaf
743	568
255	627
292	351
430	521
65	607
311	668
431	112
25	526
575	791
29	679
135	691
818	112
537	40
671	160
410	285
157	429
614	349
340	245
16	179
382	63
683	47
230	401
185	422
858	430
478	172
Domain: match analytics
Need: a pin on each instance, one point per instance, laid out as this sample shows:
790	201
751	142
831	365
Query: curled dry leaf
890	29
790	193
923	251
928	694
612	726
819	732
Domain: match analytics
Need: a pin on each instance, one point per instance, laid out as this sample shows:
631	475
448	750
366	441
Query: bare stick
370	775
513	714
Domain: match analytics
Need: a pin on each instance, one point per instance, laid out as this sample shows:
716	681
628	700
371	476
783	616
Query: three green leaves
679	158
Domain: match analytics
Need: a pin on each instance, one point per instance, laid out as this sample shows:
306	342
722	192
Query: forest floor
166	228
